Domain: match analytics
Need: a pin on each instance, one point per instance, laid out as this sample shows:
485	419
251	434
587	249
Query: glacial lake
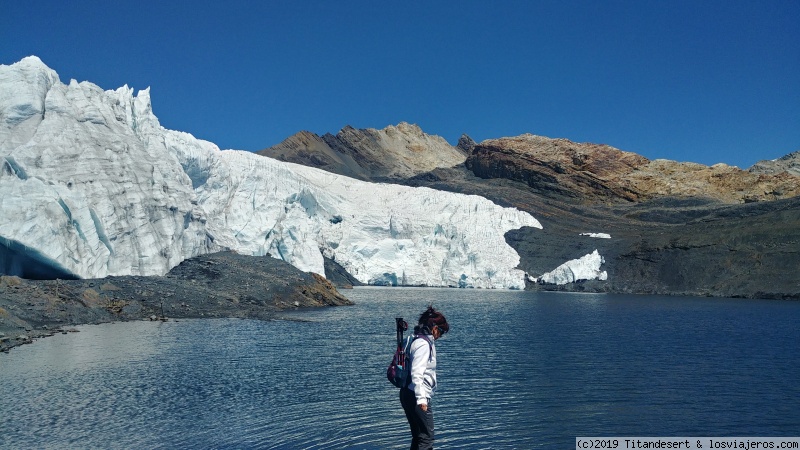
517	370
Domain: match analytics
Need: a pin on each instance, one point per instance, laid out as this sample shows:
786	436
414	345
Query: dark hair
431	318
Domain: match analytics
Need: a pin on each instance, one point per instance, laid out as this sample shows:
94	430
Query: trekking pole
402	326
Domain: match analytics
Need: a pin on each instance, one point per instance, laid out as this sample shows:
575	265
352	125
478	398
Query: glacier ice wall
80	187
93	185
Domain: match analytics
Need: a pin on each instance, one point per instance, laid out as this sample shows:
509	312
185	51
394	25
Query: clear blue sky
703	81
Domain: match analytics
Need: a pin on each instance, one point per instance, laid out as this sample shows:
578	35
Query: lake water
517	370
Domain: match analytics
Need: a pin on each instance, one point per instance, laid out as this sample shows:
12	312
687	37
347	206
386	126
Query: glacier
91	185
586	267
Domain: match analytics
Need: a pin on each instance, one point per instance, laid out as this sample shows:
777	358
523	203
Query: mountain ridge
595	172
675	228
570	168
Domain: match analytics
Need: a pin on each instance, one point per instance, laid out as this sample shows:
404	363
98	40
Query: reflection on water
517	370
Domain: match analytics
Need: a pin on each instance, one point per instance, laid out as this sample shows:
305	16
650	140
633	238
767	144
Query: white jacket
423	369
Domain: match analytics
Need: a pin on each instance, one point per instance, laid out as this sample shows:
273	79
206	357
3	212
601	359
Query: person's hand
423	407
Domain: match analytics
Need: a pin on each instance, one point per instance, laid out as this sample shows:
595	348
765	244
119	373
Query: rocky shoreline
216	285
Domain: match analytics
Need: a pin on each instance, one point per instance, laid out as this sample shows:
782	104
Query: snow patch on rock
597	235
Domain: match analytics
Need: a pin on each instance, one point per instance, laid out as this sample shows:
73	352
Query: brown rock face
721	182
559	167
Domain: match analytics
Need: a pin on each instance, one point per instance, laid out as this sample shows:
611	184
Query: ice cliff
92	185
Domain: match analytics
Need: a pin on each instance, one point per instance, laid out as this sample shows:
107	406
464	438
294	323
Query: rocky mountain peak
405	128
395	152
466	144
789	163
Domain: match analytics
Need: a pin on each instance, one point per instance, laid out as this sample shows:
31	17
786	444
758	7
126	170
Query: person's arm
420	354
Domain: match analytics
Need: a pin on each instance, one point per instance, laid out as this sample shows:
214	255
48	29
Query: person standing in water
416	398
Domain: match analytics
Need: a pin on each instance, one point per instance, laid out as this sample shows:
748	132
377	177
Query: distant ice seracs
92	185
584	268
597	235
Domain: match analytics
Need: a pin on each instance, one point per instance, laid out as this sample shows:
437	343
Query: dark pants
420	422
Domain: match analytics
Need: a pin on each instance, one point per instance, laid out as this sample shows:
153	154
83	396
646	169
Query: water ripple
518	370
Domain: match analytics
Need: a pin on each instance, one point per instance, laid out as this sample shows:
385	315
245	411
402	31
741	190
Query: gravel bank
217	285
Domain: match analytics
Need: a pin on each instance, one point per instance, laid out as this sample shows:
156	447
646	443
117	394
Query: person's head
434	322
